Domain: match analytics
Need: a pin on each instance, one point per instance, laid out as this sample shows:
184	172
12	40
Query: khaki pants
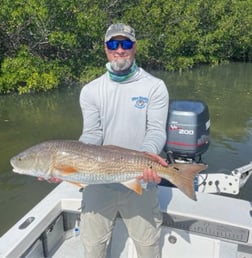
140	213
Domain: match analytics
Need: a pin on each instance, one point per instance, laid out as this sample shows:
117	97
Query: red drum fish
86	164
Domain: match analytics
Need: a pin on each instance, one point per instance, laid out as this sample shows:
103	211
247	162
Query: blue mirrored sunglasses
114	44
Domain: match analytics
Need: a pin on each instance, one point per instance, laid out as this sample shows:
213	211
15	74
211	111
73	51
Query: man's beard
120	65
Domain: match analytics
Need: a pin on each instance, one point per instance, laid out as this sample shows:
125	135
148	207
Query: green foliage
186	33
90	73
46	42
25	73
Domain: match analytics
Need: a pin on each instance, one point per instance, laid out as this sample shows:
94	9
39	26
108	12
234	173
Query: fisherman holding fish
124	120
126	107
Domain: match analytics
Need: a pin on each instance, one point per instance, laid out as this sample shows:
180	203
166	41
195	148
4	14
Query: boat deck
174	243
213	227
121	245
70	248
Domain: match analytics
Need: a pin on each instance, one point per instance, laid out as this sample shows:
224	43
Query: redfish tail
183	177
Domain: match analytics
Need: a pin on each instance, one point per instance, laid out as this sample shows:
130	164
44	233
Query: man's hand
51	180
150	175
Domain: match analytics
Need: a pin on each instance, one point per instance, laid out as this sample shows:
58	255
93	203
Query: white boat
214	226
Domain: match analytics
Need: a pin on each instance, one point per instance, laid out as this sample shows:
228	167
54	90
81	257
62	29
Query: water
24	121
27	120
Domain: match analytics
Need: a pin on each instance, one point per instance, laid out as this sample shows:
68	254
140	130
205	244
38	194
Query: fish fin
77	184
184	178
134	185
65	169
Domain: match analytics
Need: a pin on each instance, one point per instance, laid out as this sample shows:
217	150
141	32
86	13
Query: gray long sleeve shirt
130	114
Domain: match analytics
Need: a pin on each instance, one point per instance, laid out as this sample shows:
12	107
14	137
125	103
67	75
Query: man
126	107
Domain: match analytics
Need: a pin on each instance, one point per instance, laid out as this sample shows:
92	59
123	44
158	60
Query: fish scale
86	164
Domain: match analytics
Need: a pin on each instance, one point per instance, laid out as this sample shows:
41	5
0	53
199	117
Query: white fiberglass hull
212	227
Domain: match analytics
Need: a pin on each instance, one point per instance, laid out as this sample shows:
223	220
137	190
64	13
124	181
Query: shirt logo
140	102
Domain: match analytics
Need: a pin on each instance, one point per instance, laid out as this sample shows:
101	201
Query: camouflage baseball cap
120	29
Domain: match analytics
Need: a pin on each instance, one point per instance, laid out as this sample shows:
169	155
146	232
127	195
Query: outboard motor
188	131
